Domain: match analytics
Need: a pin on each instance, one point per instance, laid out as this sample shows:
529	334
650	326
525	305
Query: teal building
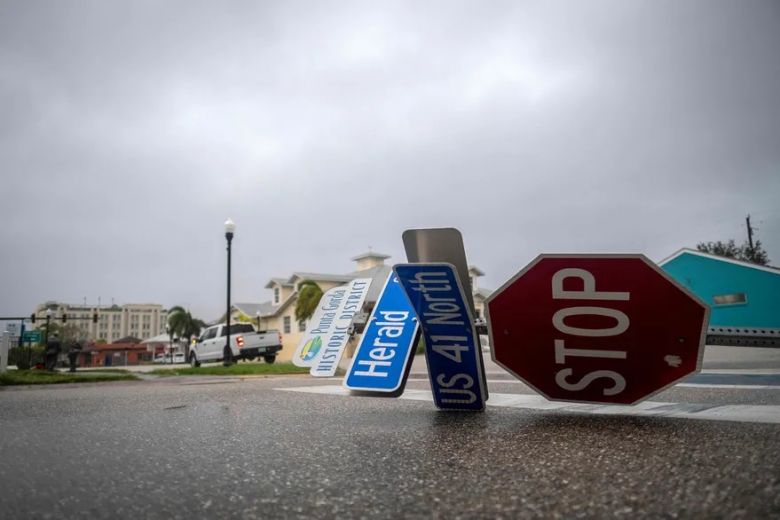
740	294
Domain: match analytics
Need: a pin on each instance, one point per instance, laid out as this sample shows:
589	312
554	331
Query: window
243	328
302	326
276	295
287	324
730	299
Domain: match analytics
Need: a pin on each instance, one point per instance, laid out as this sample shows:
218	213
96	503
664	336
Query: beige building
279	312
138	320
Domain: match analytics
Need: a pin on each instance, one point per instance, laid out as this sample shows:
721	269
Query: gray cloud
130	131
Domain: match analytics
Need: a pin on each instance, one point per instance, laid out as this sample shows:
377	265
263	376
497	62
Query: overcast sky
129	132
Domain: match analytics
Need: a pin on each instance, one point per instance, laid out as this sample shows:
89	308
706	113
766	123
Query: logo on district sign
311	348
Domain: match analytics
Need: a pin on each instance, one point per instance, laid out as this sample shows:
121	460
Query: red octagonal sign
596	328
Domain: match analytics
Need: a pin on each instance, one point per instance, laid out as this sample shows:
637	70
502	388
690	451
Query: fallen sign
323	343
383	358
452	348
596	328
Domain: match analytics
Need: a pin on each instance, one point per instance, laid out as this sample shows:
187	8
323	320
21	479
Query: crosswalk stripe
685	385
738	413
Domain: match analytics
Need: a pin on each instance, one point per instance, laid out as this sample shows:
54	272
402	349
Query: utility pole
750	232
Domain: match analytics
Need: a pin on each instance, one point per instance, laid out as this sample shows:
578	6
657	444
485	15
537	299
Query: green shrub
24	357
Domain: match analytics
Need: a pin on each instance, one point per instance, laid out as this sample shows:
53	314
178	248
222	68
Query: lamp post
230	228
257	313
170	342
48	319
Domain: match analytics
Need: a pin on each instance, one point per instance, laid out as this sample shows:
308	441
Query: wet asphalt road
218	448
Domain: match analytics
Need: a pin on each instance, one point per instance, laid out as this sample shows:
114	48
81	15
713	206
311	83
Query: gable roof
281	281
319	277
694	252
251	309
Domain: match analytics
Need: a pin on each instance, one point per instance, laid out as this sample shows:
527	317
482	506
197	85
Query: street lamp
169	330
230	228
48	319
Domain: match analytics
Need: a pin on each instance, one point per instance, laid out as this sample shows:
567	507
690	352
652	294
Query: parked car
245	343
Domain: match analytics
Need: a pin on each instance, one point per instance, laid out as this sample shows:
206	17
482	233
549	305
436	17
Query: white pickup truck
245	343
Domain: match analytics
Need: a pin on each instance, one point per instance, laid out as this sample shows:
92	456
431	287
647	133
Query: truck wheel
194	363
269	359
227	356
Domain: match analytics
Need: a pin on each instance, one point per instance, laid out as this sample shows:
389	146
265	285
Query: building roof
475	271
320	277
127	339
281	281
251	309
685	250
370	254
160	338
115	347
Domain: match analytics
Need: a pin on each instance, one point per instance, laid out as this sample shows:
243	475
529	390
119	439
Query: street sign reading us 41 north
596	328
451	344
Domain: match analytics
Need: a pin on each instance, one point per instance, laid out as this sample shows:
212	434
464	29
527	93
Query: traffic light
32	317
64	317
94	318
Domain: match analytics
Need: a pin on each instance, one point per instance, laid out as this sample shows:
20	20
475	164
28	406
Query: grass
238	369
43	377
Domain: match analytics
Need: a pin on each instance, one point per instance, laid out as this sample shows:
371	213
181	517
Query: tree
67	332
183	324
747	253
309	295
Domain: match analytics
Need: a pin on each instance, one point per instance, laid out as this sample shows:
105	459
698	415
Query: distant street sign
596	328
32	336
451	343
382	360
12	328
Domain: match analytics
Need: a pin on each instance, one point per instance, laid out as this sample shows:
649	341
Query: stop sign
596	328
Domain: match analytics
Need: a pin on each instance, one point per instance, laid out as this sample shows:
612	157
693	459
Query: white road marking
737	412
685	385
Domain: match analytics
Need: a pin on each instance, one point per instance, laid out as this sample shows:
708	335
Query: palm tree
309	295
185	325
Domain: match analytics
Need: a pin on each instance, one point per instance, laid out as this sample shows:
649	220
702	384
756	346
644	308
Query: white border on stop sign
612	256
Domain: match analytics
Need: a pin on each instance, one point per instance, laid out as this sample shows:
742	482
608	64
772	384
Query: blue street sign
382	360
451	343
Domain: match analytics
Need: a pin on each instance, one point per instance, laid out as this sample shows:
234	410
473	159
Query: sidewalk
717	358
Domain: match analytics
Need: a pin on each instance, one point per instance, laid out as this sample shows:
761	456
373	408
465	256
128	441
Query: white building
139	320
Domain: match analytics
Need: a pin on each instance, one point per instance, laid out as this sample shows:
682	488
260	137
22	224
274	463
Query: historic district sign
596	328
323	344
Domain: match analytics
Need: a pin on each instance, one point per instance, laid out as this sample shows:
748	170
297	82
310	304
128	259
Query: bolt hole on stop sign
611	329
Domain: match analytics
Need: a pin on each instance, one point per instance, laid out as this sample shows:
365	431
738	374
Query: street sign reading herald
596	328
451	344
382	360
